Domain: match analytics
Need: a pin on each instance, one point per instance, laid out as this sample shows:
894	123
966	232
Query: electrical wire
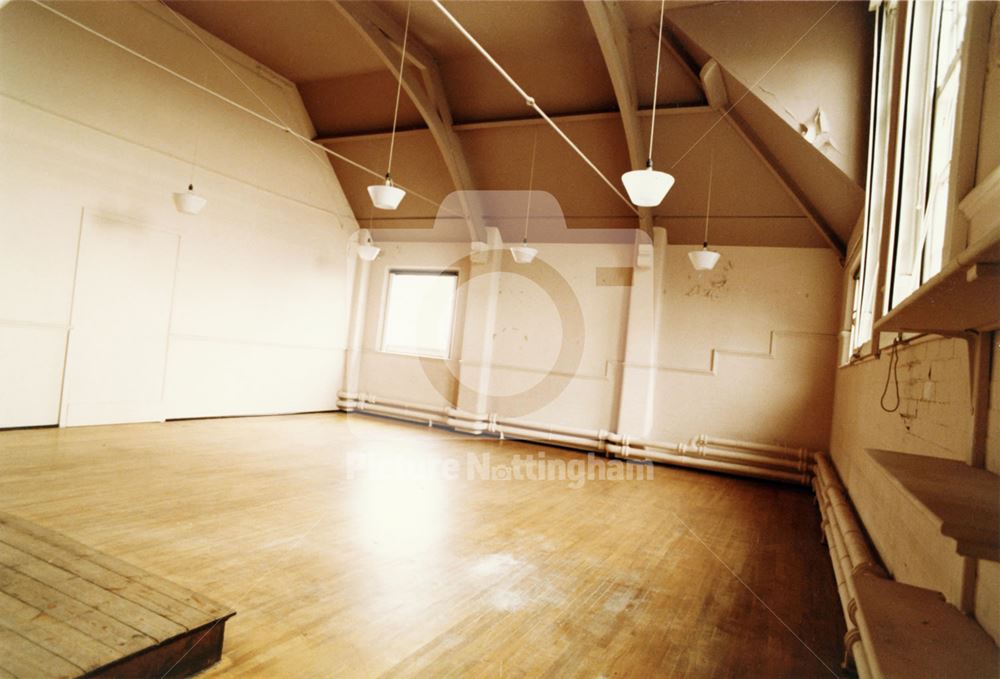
708	207
399	89
220	97
656	86
531	182
236	75
530	102
893	371
757	82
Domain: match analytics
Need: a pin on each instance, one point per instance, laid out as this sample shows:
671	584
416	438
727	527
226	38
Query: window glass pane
934	74
952	31
878	162
419	313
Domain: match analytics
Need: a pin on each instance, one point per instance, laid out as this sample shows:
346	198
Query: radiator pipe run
706	463
745	458
849	554
795	453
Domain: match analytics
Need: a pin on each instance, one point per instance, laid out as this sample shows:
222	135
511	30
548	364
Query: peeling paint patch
713	285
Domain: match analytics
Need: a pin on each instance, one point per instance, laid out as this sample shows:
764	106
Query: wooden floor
344	572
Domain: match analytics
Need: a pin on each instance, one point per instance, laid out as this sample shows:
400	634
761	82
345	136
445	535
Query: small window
420	313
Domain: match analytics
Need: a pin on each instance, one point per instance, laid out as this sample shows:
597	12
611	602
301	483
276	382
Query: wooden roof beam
427	93
611	29
677	50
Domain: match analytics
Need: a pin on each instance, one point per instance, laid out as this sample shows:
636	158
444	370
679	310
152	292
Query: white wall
528	333
748	350
259	309
763	323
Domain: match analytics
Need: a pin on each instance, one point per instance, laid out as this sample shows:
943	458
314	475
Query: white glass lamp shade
189	202
368	252
704	259
386	196
523	254
647	188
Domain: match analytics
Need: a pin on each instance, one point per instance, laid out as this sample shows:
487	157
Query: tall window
935	31
916	78
420	313
863	306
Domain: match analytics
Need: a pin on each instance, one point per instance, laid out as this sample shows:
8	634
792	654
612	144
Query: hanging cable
399	89
752	87
708	207
656	86
236	75
220	97
531	182
892	372
530	102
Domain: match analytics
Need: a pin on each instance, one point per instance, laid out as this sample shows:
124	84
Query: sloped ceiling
551	49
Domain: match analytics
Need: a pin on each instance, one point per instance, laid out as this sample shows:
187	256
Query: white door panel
120	323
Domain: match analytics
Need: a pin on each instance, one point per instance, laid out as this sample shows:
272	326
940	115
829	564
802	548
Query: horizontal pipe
550	437
752	458
826	483
412	415
705	463
769	462
858	551
593	434
698	450
797	453
397	403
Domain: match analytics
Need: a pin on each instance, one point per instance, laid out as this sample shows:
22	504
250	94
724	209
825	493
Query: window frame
906	267
386	298
962	56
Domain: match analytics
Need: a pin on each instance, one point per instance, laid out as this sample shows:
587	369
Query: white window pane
419	313
952	31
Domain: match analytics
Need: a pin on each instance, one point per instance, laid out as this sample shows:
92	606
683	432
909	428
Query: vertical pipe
356	333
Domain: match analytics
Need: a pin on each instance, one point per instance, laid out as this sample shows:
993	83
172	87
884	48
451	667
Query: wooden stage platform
67	610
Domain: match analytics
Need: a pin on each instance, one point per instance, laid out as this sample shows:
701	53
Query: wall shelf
963	501
965	295
913	632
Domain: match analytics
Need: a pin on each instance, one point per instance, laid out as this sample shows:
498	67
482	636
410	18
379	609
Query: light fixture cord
531	103
399	89
656	85
708	209
197	136
531	182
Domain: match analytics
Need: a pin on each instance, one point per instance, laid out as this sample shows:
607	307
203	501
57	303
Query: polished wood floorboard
341	571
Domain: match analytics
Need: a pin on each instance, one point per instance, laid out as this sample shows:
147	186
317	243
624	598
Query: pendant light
522	253
387	196
368	251
705	259
189	202
648	188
